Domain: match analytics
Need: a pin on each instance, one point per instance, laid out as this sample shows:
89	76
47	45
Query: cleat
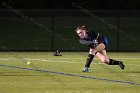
122	66
85	69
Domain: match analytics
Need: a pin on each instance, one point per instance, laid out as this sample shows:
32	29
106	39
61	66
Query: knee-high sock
113	62
89	60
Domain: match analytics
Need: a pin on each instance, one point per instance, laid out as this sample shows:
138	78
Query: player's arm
85	42
94	42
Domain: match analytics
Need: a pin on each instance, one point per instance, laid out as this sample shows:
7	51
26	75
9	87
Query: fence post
52	33
118	33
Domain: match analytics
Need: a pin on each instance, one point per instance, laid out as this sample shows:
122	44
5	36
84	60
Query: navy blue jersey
92	36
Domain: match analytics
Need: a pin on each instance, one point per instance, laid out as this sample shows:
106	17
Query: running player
97	43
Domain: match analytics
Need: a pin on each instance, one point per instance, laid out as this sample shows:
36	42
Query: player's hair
83	27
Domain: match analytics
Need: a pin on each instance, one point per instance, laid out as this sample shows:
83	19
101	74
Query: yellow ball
28	62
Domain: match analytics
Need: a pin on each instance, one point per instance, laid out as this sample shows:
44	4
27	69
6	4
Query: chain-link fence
40	30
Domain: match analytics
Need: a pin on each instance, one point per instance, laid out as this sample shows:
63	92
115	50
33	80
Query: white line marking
57	58
48	60
134	64
88	83
134	75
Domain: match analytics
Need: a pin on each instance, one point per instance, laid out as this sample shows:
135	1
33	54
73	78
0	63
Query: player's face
82	33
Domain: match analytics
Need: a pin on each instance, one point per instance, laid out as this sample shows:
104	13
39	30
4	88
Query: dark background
67	4
48	25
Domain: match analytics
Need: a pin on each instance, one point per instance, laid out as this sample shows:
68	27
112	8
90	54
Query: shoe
85	69
122	66
57	53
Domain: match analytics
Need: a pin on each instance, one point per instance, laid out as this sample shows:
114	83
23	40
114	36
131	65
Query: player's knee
92	51
104	60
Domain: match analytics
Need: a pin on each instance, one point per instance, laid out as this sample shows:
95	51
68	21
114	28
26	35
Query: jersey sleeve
85	42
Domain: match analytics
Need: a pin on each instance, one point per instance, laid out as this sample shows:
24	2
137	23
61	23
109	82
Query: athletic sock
113	62
89	60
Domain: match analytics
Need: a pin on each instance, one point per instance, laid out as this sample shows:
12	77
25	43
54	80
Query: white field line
134	65
136	58
45	59
35	59
134	75
73	91
88	83
64	58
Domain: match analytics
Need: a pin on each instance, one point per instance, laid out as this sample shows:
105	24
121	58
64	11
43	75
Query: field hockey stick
97	36
95	41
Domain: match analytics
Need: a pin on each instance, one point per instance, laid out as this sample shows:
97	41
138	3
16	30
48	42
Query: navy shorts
105	41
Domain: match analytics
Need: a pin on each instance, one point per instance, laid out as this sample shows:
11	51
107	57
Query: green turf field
62	74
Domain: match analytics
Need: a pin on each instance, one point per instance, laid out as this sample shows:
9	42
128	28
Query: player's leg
104	58
89	60
90	57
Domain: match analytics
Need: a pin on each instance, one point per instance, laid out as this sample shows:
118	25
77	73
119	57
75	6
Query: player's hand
95	42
